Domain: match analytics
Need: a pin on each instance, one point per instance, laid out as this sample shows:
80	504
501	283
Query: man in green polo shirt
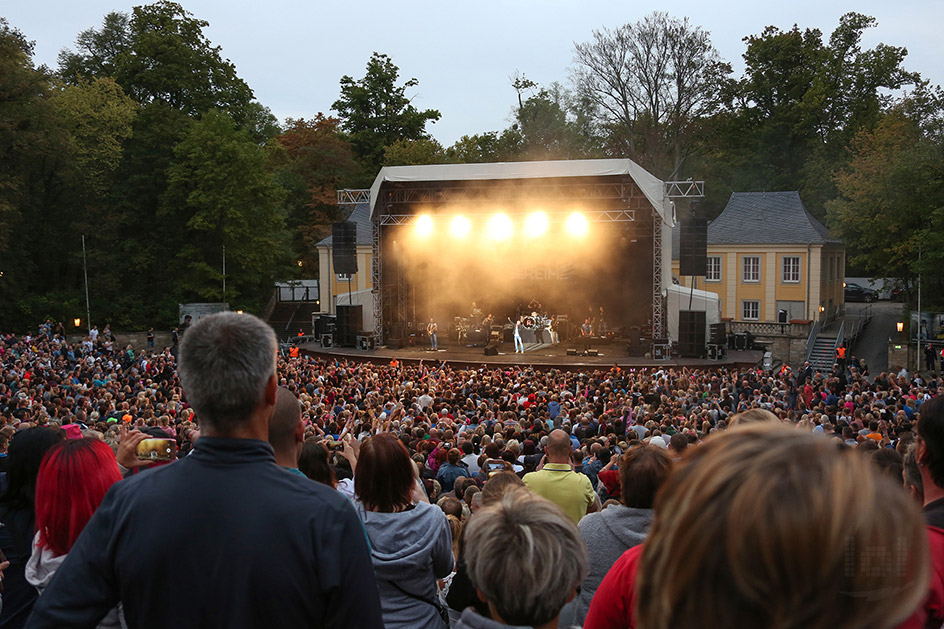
558	482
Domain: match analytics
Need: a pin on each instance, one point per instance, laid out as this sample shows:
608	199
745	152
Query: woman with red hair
73	479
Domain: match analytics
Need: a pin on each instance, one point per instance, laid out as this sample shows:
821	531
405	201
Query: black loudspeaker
327	340
781	316
717	335
491	350
693	246
593	352
691	333
349	323
344	247
571	351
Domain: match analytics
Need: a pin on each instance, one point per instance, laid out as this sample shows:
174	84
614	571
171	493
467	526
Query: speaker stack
344	247
349	324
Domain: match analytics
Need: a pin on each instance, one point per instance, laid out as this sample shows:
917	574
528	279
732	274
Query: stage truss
619	193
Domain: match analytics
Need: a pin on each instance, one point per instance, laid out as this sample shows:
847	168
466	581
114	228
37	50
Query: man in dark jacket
223	537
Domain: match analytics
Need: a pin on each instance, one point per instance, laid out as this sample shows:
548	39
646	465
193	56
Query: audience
394	438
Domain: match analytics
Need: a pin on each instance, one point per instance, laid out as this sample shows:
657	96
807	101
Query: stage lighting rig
536	224
460	226
500	227
577	225
424	226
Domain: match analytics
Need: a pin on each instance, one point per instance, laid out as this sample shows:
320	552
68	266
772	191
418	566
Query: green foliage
222	195
312	161
891	206
790	119
376	112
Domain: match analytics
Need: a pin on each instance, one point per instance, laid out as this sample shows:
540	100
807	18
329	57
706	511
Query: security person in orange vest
841	356
293	352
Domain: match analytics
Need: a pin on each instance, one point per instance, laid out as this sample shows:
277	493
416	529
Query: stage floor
548	356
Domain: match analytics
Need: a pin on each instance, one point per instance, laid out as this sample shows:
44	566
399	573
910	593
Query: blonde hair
753	416
765	526
540	560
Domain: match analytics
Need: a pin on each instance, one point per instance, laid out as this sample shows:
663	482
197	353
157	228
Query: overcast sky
293	53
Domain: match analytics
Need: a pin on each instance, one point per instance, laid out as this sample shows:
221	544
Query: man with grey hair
223	537
532	573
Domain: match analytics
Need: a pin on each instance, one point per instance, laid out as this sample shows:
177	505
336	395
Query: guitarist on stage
431	330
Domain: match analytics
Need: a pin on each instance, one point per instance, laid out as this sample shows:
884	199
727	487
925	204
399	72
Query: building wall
329	284
816	286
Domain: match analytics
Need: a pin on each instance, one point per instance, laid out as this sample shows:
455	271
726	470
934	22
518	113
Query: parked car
855	292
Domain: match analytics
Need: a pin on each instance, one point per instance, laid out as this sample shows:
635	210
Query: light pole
88	309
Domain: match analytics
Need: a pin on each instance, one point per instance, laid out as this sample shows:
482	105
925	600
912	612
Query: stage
542	356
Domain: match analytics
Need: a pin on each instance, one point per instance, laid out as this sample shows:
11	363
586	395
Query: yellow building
769	260
333	285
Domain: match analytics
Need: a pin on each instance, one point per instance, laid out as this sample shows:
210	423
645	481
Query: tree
651	83
161	55
891	208
375	112
414	153
790	119
314	160
99	116
221	194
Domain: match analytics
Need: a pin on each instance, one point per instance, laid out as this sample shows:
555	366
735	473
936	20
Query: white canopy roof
651	186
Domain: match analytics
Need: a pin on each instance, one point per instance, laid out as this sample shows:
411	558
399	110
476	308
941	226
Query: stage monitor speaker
716	334
691	332
395	342
693	246
593	352
491	350
344	247
660	349
571	351
349	323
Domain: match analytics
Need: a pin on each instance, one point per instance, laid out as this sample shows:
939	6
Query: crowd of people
327	492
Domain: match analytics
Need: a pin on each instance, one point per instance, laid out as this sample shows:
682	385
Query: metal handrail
811	340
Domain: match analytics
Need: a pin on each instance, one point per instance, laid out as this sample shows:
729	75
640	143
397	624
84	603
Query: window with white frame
751	269
343	277
791	270
713	269
750	309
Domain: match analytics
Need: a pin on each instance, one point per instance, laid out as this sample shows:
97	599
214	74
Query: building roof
359	214
763	218
652	187
766	218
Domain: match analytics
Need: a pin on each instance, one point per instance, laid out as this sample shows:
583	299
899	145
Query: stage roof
652	187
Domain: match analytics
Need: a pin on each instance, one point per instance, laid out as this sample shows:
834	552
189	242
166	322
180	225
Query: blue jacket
221	538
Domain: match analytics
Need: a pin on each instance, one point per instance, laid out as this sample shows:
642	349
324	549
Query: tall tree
221	194
652	82
801	100
314	160
376	112
890	208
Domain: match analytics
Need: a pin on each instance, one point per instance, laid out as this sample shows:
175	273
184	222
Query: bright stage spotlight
424	226
500	227
577	224
460	227
535	225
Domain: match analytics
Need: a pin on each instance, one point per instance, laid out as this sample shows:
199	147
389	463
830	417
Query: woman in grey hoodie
411	546
616	529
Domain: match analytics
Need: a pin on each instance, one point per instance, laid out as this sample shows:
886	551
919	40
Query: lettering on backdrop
543	272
